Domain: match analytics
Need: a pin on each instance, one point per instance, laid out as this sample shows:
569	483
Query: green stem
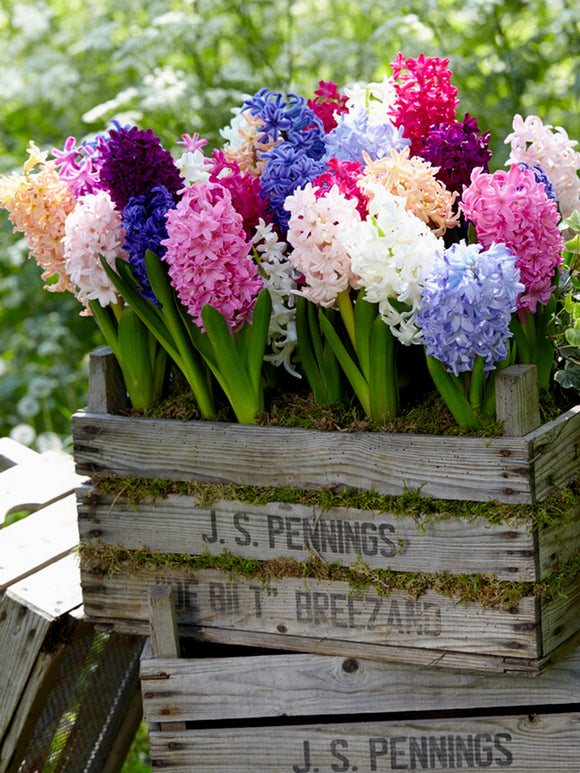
454	398
346	309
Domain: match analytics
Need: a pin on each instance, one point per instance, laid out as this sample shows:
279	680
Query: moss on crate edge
559	508
486	590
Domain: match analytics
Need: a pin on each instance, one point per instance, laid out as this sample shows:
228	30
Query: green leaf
382	381
107	322
253	338
310	363
454	398
365	314
233	373
353	374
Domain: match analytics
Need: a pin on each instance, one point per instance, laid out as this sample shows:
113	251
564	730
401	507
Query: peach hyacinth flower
38	204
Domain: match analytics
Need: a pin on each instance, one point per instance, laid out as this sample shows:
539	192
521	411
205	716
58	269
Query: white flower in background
28	406
23	433
48	441
42	386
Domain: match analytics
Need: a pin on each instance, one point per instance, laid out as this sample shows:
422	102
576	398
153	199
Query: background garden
175	66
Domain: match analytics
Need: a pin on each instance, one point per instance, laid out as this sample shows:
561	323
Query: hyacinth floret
328	103
345	175
245	190
76	165
93	230
145	225
316	219
513	208
392	251
374	98
38	204
287	118
132	162
355	134
456	149
279	278
414	179
468	300
424	96
550	149
287	168
207	255
541	177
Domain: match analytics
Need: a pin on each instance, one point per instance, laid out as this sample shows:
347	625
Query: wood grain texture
107	392
555	447
38	540
542	743
22	634
442	467
318	610
516	399
278	530
196	689
35	484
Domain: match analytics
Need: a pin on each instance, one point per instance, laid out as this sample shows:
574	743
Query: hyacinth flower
390	251
468	300
513	207
212	318
316	216
539	144
424	96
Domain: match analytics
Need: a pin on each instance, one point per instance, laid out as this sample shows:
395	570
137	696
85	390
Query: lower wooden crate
69	697
541	743
301	713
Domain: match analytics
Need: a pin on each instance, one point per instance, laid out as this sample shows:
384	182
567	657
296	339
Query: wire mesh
97	678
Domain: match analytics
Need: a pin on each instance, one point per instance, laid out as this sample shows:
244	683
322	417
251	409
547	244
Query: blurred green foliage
180	66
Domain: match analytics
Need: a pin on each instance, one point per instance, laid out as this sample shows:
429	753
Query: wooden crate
48	649
325	616
311	713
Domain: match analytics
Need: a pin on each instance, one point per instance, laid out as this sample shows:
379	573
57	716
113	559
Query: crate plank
440	467
318	610
12	453
278	530
556	449
38	540
22	633
541	743
32	485
200	689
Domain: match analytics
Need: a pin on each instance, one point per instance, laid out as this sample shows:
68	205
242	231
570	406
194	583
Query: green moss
486	590
561	507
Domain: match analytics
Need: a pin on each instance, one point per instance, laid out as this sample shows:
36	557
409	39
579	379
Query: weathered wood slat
542	743
516	399
12	453
442	467
32	485
22	634
40	539
560	617
319	610
302	685
556	451
279	530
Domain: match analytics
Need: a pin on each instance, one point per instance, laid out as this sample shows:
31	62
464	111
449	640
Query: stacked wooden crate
56	710
305	713
132	545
